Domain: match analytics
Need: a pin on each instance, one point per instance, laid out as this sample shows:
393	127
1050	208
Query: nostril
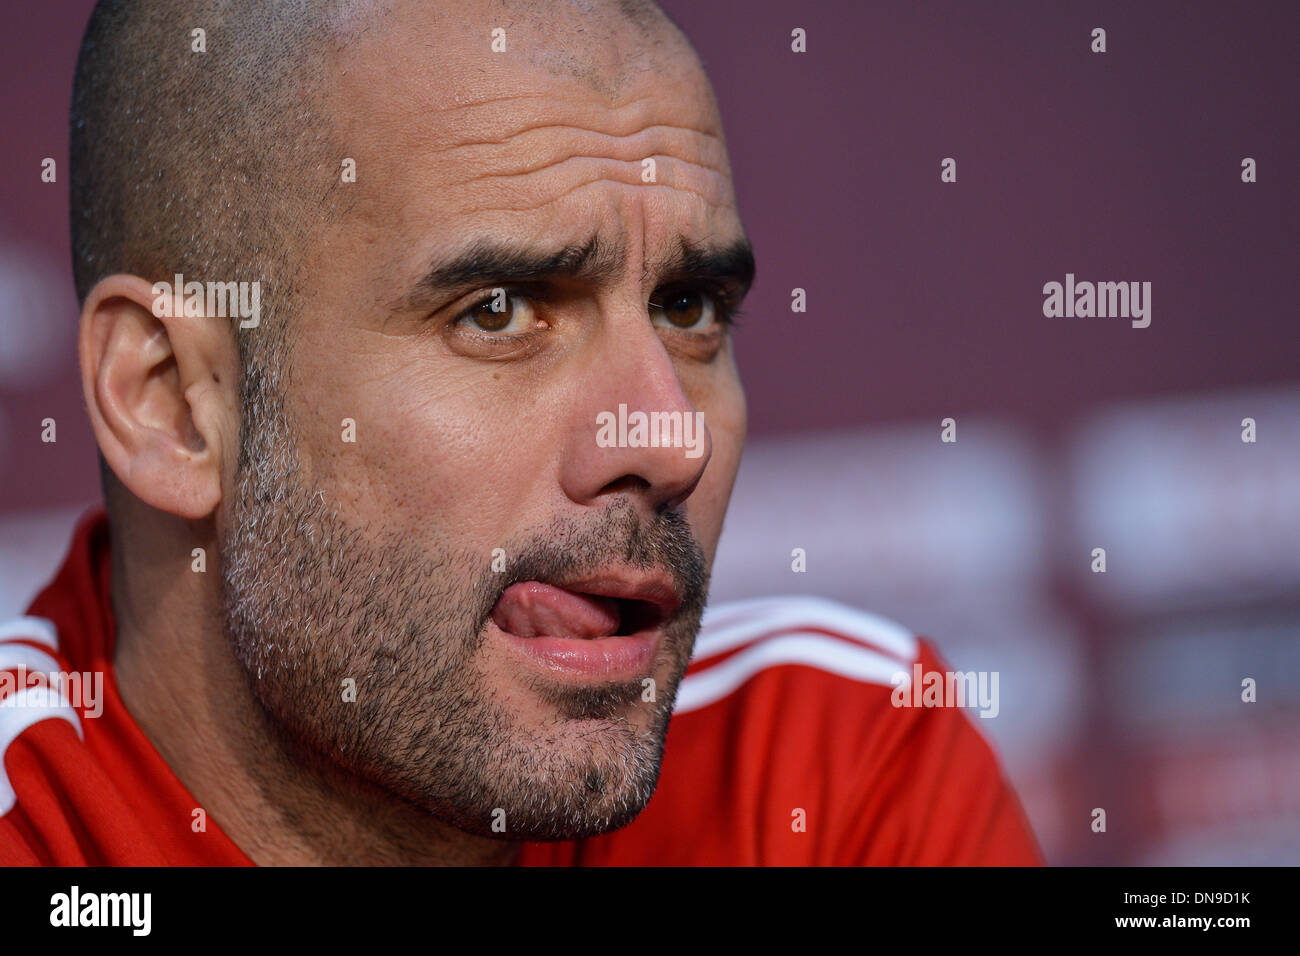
627	483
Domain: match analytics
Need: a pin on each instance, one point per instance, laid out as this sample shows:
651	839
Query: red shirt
784	749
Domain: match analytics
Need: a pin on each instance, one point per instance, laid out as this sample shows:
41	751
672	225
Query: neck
279	803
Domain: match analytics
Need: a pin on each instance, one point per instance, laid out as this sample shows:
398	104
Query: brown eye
685	310
500	312
491	319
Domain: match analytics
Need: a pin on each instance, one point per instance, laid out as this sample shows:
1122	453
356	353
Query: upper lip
628	585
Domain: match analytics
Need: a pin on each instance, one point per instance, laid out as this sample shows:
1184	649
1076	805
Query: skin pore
371	560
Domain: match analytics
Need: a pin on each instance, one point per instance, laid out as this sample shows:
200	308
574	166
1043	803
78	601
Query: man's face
514	602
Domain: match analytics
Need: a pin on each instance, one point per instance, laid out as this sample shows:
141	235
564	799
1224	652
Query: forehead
548	139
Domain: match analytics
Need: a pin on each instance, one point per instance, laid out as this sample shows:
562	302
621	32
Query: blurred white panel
1188	513
32	546
1181	679
1256	842
891	515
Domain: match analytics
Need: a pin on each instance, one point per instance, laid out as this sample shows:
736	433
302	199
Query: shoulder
801	680
30	691
797	739
803	683
39	728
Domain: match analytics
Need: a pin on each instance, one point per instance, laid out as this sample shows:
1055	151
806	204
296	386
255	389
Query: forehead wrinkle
504	98
508	139
497	127
554	165
724	204
547	145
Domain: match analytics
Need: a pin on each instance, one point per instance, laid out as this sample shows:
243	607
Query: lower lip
600	658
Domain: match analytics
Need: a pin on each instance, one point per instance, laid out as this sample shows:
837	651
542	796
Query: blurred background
1120	690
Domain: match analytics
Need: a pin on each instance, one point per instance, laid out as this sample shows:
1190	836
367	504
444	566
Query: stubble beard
312	601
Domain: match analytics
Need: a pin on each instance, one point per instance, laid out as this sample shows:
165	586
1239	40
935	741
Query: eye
692	310
501	311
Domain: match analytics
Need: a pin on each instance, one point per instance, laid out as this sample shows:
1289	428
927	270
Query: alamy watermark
84	690
924	688
1123	300
218	300
651	430
131	911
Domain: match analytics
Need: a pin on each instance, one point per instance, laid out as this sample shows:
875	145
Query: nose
635	431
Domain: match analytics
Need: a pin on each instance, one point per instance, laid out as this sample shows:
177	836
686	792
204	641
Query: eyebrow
731	263
490	262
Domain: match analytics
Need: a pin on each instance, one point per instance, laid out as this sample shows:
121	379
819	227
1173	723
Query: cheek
428	458
727	422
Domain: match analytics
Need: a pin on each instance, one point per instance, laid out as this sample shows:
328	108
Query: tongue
534	609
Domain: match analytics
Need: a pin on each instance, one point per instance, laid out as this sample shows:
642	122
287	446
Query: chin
564	779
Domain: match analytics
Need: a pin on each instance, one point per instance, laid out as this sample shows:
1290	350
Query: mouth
606	627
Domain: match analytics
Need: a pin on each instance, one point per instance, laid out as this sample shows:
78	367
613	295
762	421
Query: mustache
570	548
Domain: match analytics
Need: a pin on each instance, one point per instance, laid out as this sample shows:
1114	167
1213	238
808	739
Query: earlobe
157	392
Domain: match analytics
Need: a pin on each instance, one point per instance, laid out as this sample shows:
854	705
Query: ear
162	393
